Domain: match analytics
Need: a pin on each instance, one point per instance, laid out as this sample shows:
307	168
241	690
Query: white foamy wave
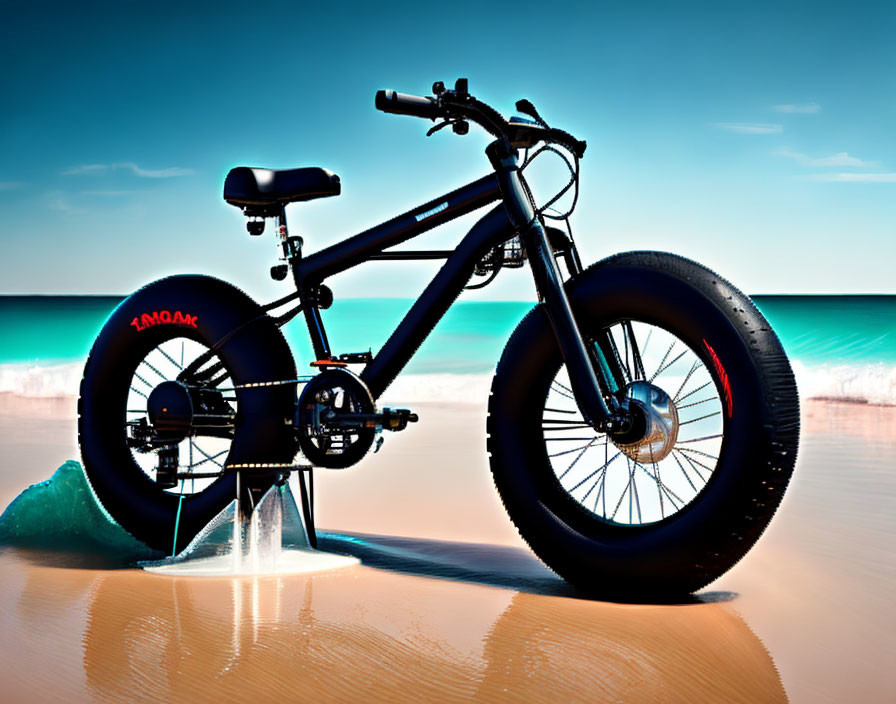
444	388
864	383
50	380
41	380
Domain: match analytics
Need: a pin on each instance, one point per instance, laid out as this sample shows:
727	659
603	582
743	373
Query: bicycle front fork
591	390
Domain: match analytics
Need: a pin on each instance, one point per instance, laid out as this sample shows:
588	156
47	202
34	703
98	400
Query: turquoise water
852	333
61	514
834	329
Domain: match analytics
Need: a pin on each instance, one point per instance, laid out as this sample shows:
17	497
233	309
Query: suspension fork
588	385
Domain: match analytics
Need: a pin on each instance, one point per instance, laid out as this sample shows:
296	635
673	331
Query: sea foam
863	383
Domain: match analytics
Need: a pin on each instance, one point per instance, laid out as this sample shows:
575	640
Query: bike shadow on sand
500	566
493	565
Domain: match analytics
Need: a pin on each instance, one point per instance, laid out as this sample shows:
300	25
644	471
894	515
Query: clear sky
758	138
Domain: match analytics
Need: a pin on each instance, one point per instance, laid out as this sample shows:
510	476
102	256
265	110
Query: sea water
841	347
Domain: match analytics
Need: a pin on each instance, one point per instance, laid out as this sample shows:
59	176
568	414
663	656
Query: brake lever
458	126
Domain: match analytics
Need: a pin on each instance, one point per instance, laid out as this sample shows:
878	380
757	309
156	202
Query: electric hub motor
170	411
655	424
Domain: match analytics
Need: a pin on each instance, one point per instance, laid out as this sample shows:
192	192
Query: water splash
62	515
273	541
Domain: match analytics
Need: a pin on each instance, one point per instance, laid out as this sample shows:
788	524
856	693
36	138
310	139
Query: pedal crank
394	419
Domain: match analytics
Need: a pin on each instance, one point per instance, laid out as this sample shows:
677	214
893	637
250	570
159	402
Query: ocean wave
41	380
862	383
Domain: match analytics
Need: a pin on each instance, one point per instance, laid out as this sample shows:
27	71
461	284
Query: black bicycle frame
514	216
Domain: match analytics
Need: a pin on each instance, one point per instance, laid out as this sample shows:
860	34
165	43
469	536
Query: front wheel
674	505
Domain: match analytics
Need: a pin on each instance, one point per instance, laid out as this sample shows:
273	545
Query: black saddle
262	192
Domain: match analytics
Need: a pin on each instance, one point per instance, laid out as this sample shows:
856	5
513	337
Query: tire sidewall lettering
164	317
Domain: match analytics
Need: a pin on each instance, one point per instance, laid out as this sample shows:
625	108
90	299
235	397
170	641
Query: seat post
289	249
292	251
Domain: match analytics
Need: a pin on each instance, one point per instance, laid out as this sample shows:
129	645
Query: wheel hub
657	423
170	411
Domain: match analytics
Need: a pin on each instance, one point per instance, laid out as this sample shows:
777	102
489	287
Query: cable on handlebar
573	182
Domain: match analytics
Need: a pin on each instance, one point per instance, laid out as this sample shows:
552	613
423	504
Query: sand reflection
370	634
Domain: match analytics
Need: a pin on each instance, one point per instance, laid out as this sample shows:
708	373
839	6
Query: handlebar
460	105
402	104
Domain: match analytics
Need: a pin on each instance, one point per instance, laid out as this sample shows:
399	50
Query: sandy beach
449	604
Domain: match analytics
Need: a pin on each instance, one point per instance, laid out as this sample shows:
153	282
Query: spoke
668	364
565	439
691	393
578	457
647	342
603	483
578	426
622	496
600	481
139	392
561	421
637	499
602	468
698	452
636	354
171	359
663	360
603	486
708	415
671	495
697	403
165	378
686	475
694	464
628	367
558	410
565	388
136	410
143	380
211	458
562	393
575	449
687	378
208	456
707	437
659	489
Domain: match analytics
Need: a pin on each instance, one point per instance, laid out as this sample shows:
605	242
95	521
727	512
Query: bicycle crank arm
394	419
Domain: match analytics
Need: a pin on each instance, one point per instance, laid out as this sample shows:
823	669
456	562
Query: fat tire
685	552
263	434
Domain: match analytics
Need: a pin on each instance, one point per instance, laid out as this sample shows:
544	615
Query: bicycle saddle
264	191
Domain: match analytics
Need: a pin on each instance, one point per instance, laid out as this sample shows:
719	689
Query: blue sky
757	138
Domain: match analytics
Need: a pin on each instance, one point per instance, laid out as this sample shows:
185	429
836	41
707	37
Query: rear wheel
149	340
678	502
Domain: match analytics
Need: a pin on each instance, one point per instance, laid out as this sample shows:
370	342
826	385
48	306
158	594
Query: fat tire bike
643	418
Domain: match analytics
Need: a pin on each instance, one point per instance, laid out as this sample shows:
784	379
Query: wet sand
462	611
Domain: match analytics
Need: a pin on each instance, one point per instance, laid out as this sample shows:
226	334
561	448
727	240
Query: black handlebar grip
577	146
401	104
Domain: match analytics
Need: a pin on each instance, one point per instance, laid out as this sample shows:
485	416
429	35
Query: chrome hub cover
661	423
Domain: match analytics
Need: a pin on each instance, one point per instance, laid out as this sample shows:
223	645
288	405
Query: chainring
323	444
